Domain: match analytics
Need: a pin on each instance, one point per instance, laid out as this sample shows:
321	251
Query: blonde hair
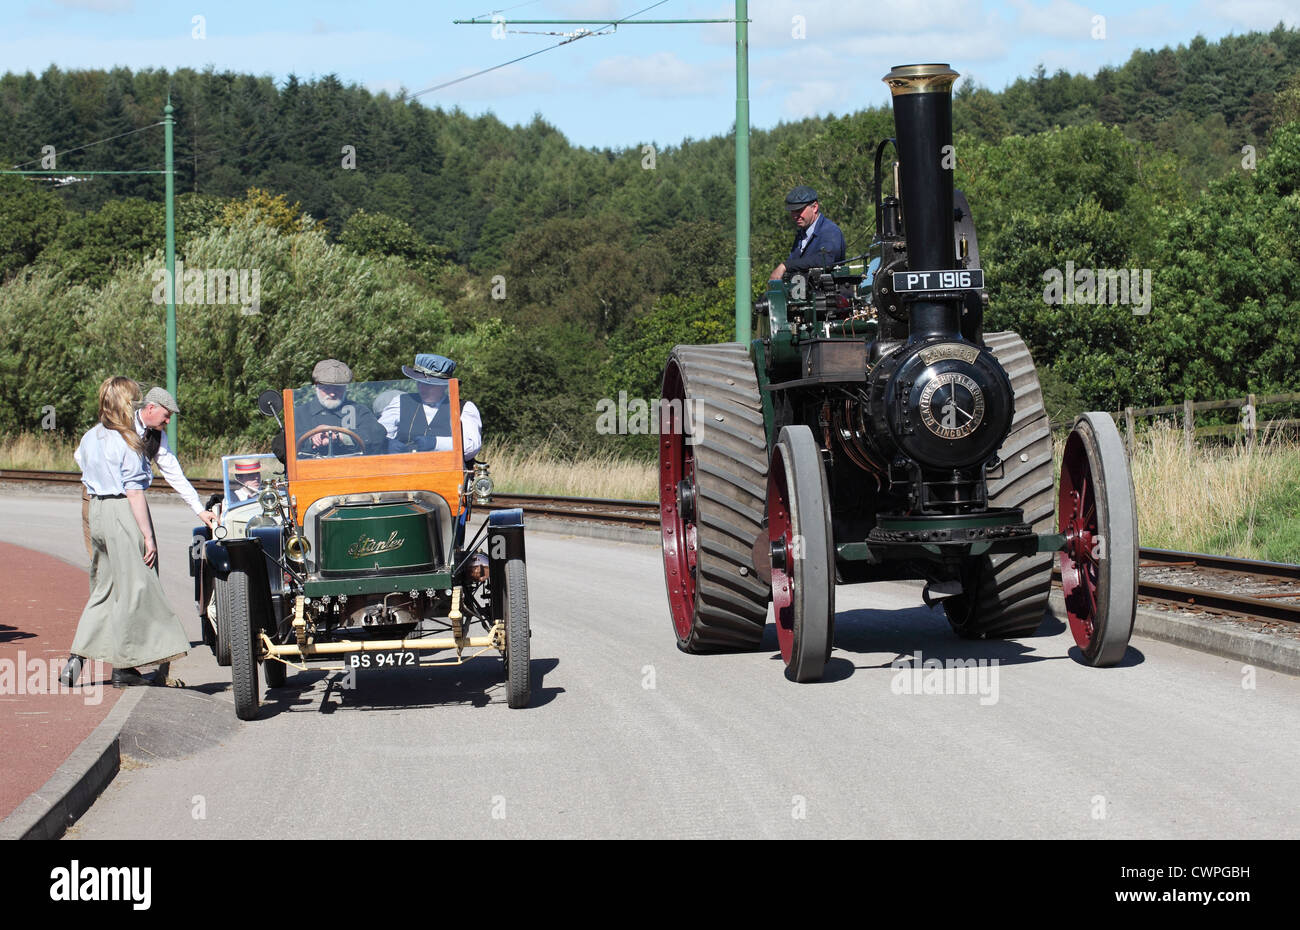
118	397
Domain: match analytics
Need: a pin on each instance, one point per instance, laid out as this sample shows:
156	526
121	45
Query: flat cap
331	371
800	196
162	397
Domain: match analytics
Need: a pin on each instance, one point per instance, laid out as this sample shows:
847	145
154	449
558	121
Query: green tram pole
171	247
742	128
171	268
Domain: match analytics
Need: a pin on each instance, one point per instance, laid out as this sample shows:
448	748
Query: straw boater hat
246	468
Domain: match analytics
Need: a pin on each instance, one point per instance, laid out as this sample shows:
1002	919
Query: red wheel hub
677	529
780	536
1079	558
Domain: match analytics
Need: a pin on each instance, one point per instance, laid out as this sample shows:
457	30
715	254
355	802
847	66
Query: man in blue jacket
818	243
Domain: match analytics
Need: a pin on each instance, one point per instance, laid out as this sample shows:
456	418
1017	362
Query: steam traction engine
874	431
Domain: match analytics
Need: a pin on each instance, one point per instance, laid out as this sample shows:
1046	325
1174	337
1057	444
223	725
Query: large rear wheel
243	645
1005	594
712	476
802	547
1098	515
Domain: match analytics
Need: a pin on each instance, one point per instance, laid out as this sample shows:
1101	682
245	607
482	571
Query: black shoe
72	671
128	677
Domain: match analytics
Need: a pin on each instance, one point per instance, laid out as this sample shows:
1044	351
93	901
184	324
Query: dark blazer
313	413
825	248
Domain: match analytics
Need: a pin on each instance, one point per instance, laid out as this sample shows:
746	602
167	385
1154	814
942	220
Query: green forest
558	275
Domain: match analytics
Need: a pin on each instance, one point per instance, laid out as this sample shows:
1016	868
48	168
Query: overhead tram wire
90	144
612	24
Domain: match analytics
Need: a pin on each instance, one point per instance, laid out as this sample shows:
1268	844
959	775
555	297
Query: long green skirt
127	621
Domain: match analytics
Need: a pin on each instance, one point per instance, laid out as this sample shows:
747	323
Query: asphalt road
627	737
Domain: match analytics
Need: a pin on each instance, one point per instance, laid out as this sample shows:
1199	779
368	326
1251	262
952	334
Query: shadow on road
901	633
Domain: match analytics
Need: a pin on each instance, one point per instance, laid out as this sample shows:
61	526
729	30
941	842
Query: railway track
1267	591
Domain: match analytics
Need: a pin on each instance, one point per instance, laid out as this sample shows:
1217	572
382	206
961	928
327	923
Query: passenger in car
421	422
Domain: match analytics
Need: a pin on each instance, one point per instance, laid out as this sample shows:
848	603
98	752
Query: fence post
1251	418
1128	428
1189	424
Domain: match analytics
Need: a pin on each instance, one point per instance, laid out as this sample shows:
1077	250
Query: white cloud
97	6
1060	19
662	74
1253	14
285	52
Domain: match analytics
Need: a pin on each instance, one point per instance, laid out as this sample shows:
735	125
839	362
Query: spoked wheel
1098	515
519	685
243	647
221	646
803	574
712	468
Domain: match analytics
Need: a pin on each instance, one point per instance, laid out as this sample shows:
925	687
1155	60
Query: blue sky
640	84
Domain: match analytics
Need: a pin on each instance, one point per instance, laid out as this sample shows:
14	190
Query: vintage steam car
357	558
244	477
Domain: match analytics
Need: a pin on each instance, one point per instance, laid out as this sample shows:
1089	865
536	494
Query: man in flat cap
421	422
151	419
329	406
818	243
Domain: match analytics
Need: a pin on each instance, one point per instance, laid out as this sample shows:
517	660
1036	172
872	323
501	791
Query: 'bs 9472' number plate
966	279
394	658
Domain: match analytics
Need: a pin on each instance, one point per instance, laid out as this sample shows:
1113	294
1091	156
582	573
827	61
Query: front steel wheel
803	554
1098	516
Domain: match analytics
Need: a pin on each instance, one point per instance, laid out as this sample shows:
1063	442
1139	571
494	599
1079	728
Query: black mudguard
505	541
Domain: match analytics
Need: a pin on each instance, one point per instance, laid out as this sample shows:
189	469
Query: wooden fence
1249	425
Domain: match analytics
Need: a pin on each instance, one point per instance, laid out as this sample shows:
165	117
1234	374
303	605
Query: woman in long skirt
127	621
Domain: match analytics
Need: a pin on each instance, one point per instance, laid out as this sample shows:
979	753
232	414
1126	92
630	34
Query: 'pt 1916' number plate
959	280
394	658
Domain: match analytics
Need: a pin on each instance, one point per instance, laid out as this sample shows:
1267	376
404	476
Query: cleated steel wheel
1006	593
519	687
803	552
243	647
712	474
1098	515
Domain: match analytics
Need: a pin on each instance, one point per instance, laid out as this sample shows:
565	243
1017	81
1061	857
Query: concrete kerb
1216	638
75	785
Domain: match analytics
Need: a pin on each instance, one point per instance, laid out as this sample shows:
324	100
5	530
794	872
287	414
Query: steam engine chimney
923	126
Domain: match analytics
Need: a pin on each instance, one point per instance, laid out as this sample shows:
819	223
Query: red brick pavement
42	722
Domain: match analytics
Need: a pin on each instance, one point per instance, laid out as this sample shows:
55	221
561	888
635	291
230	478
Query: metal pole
742	172
171	270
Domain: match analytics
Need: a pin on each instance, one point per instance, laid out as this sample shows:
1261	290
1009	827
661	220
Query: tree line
558	275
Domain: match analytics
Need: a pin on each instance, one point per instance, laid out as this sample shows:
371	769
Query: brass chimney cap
920	79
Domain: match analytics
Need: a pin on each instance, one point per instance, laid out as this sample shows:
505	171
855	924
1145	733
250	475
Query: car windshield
371	418
244	476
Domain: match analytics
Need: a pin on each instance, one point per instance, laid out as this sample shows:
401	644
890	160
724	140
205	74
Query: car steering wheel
361	443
